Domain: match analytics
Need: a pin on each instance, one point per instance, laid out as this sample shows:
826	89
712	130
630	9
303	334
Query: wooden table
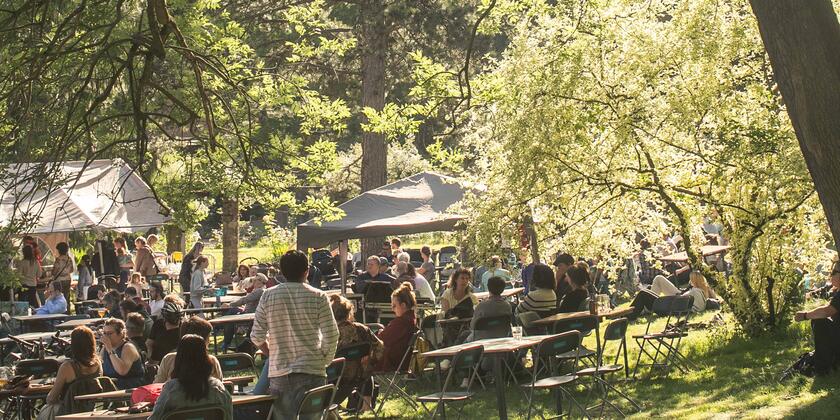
232	319
496	349
33	337
111	415
550	320
73	323
505	294
211	301
27	319
118	395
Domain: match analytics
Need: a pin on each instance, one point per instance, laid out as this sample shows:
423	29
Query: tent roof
419	203
107	194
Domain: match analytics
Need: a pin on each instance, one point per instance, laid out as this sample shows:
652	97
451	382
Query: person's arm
822	312
260	327
444	301
159	409
54	396
122	364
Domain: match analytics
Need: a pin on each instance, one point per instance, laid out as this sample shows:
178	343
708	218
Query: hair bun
407	285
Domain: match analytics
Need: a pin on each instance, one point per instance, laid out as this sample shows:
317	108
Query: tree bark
802	39
175	239
374	45
230	234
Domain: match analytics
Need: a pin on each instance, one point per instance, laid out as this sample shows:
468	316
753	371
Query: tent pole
101	260
342	264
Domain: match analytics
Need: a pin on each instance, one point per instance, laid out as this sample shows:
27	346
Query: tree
803	42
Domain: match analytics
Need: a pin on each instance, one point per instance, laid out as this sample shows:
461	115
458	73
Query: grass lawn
738	378
261	253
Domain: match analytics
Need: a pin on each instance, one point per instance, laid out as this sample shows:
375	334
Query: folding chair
664	346
237	362
316	402
525	319
545	353
467	359
585	326
494	326
351	354
204	413
615	331
395	381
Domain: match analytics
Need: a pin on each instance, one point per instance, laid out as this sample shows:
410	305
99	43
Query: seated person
825	325
133	294
135	328
397	334
111	302
458	289
700	290
375	272
165	333
494	270
196	326
83	365
245	305
494	306
55	303
156	296
138	283
121	361
576	298
542	298
357	373
408	273
192	383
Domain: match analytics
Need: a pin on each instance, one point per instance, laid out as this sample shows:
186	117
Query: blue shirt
54	305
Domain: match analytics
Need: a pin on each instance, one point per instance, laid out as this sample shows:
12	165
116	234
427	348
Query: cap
383	261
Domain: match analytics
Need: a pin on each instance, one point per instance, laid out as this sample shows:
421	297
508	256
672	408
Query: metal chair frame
468	358
545	353
666	344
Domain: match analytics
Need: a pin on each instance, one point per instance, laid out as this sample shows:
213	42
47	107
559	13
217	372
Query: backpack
803	366
82	385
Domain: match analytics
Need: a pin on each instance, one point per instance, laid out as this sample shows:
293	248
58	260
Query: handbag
146	393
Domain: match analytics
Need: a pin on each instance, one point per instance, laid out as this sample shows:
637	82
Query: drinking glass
517	332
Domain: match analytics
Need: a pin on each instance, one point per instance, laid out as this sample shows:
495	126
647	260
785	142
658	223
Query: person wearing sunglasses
825	325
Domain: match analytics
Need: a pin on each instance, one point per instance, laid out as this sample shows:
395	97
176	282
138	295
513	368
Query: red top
395	338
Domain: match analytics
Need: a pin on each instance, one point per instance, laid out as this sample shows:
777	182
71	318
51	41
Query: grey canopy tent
419	203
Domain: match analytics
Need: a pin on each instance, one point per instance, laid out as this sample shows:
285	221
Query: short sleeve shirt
165	341
835	300
430	270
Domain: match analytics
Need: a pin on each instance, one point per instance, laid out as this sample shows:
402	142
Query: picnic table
25	320
505	294
208	310
73	323
211	301
232	319
112	415
495	349
111	396
550	320
33	337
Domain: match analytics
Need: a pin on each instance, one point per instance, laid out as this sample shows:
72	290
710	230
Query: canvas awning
107	194
419	203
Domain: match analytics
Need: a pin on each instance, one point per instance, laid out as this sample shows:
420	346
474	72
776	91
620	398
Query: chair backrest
335	370
405	362
316	401
376	327
616	330
38	368
662	305
558	344
526	318
354	352
467	358
583	325
231	362
682	304
107	383
494	326
547	313
203	413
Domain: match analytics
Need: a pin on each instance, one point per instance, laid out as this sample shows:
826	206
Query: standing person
495	270
151	241
825	326
198	282
85	270
121	361
185	277
192	383
298	322
561	264
124	260
36	250
144	261
30	271
427	269
396	246
63	268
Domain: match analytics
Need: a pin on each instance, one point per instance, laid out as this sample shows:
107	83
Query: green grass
261	253
737	378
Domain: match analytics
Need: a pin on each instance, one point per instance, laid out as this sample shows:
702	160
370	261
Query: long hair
405	294
342	308
196	248
28	253
198	262
83	346
193	367
453	278
697	280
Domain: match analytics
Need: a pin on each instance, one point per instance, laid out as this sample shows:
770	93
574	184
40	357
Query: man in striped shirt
301	334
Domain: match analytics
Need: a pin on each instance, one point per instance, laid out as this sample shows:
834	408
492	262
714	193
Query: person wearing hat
165	332
825	325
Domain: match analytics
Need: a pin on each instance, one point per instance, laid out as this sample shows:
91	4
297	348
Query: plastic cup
517	332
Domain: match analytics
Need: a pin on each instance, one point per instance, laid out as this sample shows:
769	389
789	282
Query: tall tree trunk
175	239
374	45
802	39
230	234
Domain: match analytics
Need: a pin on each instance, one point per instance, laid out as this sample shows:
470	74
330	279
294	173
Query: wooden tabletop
111	415
450	321
35	336
505	294
120	394
491	345
550	320
232	319
208	310
32	318
223	299
73	323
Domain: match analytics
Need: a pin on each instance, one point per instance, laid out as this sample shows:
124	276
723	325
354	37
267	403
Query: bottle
593	306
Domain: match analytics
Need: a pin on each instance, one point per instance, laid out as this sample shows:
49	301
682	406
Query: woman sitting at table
121	361
245	305
191	384
199	327
356	372
242	273
541	298
397	334
77	376
55	303
457	291
578	278
198	283
407	272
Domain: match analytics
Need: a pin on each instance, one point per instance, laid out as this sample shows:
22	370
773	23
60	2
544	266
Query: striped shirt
301	330
538	300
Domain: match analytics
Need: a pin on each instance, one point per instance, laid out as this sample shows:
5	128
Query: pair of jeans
826	345
230	329
261	387
290	390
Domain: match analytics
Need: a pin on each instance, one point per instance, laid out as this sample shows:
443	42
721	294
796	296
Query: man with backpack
825	325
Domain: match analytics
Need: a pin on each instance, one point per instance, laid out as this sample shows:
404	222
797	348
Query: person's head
386	248
174	298
543	277
156	290
696	279
140	242
402	299
62	248
242	272
29	240
135	278
404	257
496	285
460	279
101	293
54	290
495	262
426	252
121	251
196	249
28	253
171	313
201	263
83	346
578	275
86	260
259	281
402	267
295	266
135	325
252	271
192	367
152	240
119	243
113	331
112	298
373	265
396	243
197	326
562	263
129	306
130	292
342	308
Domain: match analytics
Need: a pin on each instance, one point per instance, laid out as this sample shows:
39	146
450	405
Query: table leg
501	403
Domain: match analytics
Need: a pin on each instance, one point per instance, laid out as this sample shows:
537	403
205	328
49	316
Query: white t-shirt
155	306
424	289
